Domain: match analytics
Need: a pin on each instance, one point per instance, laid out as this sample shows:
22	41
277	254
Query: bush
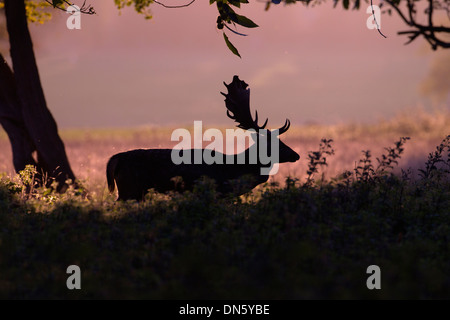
312	239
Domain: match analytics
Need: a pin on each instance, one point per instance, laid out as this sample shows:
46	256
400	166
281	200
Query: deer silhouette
137	171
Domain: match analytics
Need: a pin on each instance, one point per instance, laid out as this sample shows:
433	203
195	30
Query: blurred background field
89	149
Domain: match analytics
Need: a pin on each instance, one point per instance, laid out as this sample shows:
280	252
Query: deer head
237	102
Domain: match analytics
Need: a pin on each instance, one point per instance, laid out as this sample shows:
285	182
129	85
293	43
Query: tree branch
84	9
430	16
374	19
427	31
174	7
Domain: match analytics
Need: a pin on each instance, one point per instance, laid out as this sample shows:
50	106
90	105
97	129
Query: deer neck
253	158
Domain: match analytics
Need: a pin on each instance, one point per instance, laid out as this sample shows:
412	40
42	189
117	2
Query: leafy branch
436	35
428	31
437	157
174	7
318	159
366	171
60	4
228	17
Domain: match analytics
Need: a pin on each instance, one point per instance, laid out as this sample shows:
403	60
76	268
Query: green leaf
245	22
231	46
346	4
235	3
56	3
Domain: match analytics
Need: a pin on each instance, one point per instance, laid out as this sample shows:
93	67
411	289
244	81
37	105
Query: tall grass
296	239
89	150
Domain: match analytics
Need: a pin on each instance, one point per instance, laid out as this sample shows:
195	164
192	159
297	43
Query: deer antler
285	127
237	102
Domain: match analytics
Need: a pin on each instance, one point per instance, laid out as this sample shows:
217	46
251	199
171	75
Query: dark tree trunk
26	118
11	120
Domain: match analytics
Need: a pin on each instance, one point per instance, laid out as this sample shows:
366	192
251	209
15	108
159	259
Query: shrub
311	239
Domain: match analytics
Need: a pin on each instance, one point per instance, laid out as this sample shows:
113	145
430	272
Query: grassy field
299	236
89	150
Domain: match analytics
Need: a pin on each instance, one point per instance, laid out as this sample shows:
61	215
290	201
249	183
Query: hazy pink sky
308	64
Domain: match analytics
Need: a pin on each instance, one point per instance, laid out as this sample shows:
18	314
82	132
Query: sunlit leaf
57	3
235	3
231	46
245	22
346	4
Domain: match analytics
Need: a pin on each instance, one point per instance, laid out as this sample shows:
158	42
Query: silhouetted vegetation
312	239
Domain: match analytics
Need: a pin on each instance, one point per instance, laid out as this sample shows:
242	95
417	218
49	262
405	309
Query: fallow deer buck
137	171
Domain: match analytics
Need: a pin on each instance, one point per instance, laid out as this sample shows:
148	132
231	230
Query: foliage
366	171
36	11
436	158
229	19
141	6
411	12
227	16
302	240
318	158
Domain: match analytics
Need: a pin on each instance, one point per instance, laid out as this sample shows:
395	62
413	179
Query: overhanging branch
428	31
83	9
174	7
